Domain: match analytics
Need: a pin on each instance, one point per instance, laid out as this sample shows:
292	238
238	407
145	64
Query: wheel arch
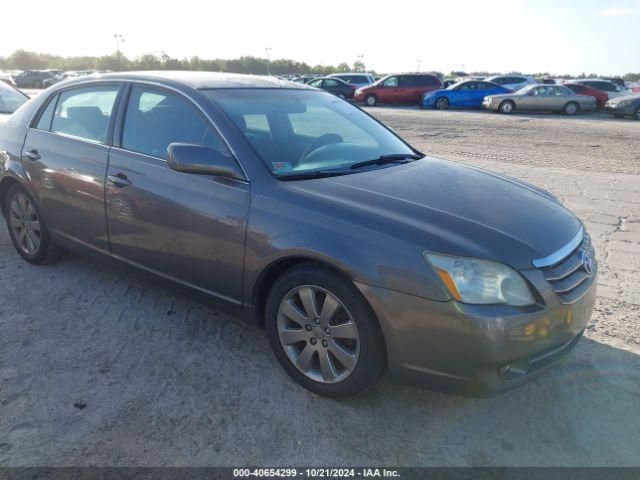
577	104
5	184
278	267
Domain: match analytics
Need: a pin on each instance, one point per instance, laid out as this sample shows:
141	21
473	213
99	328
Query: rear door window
44	123
85	112
156	118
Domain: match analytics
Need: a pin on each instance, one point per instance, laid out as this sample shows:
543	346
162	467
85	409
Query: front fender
278	229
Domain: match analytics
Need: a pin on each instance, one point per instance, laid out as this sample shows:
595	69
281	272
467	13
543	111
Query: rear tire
304	343
441	103
27	228
370	100
571	108
506	107
636	113
37	84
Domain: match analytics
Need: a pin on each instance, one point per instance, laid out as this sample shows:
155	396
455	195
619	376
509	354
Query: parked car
628	106
618	82
581	89
512	82
304	78
32	78
403	88
10	99
296	210
611	89
553	98
358	80
447	82
468	94
335	86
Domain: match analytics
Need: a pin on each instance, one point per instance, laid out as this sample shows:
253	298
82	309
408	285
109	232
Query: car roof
506	75
197	80
350	73
583	80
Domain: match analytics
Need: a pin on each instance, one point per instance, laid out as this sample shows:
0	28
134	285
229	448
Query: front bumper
477	350
487	105
620	111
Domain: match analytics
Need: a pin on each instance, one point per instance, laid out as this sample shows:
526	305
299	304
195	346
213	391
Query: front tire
507	107
636	113
370	100
323	332
442	103
37	84
27	228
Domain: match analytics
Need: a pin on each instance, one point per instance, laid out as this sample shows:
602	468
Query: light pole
419	62
268	50
119	38
361	62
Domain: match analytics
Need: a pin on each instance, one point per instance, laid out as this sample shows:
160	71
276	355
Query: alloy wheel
442	104
25	224
318	334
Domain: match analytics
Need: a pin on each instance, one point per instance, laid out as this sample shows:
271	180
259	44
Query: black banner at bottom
402	473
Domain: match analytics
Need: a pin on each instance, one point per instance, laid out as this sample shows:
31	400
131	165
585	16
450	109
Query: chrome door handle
32	155
119	180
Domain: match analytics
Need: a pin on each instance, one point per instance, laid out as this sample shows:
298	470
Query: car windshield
10	98
299	131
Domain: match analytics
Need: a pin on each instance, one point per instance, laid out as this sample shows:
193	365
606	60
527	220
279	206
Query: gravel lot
100	368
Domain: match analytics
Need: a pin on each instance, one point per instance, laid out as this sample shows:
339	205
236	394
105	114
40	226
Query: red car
600	96
403	88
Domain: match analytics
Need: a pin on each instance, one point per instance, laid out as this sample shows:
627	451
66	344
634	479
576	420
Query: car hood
616	100
451	208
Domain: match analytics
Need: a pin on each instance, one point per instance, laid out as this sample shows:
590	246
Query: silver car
554	98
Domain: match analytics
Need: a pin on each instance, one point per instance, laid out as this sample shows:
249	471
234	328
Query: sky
571	36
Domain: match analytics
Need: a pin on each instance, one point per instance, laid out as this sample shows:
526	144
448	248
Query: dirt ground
99	368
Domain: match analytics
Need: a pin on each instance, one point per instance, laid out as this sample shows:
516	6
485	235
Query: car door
189	228
332	85
389	90
477	94
462	95
65	157
557	97
534	100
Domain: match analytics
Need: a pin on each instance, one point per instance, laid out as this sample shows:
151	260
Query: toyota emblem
588	262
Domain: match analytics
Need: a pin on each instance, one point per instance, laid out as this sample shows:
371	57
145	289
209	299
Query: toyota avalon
296	210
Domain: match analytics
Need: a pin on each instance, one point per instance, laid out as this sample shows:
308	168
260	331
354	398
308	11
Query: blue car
467	94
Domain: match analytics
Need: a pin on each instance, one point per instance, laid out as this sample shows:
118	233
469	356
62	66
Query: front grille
572	276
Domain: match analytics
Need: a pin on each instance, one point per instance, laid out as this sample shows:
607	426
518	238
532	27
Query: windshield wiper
312	174
389	158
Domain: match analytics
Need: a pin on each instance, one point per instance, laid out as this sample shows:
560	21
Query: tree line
26	60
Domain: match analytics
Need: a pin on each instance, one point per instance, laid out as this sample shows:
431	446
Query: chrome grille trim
571	276
559	255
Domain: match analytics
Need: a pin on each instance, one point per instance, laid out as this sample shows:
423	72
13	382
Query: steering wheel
321	141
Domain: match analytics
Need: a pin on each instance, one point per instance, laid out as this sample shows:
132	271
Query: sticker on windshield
282	166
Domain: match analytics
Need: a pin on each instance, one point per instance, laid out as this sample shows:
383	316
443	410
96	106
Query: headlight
471	280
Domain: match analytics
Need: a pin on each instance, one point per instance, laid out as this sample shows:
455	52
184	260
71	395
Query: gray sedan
553	98
295	210
628	106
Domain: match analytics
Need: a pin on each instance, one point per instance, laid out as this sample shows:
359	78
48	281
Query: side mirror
190	158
